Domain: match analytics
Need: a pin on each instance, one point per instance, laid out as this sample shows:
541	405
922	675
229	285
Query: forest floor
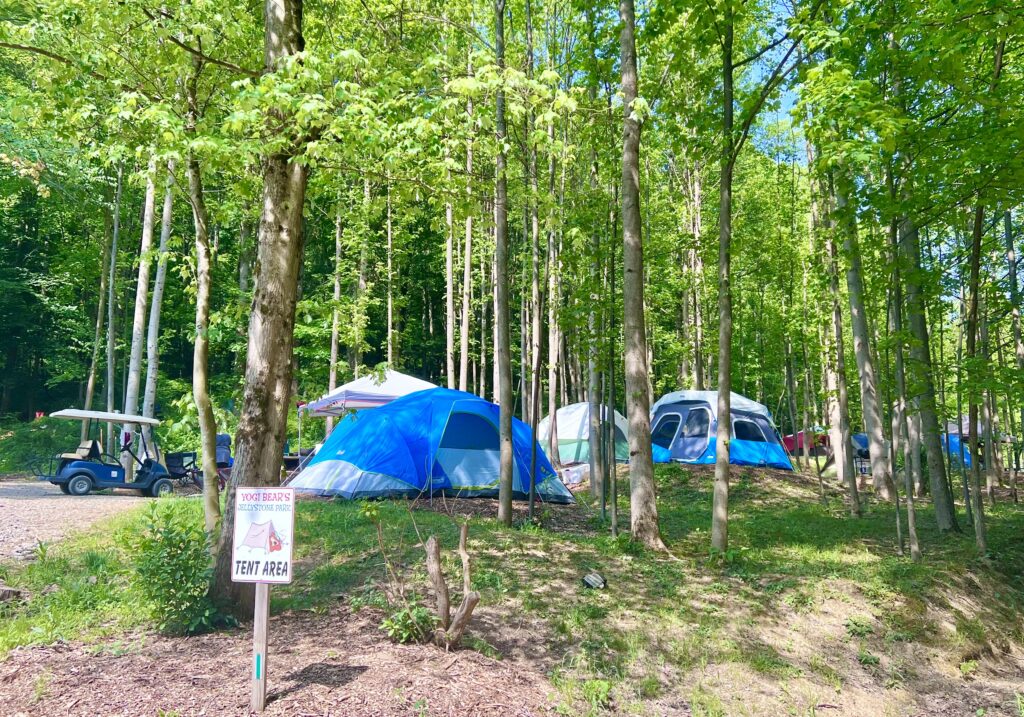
811	612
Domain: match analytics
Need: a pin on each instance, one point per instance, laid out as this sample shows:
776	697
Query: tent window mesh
745	430
665	431
697	424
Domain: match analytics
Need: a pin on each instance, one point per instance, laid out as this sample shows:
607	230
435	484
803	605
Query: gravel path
33	511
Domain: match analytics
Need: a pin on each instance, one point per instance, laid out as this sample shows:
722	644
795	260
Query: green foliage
859	626
410	623
27	445
172	561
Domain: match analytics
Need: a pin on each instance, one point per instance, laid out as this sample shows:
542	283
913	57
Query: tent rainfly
427	443
365	392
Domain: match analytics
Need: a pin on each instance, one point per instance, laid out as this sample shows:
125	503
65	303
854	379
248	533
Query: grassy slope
810	610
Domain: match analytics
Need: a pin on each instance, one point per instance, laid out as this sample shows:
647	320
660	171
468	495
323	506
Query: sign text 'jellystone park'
264	535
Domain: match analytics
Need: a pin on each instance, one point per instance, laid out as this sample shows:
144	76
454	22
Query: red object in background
796	443
40	414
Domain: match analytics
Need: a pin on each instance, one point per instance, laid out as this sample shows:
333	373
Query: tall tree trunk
554	272
131	394
920	384
502	347
156	303
643	502
332	369
112	305
881	471
989	448
390	340
201	348
97	342
838	394
720	501
972	352
902	413
467	275
449	290
1018	342
359	319
263	426
791	392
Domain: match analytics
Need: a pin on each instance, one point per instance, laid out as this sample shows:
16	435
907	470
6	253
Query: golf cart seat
86	451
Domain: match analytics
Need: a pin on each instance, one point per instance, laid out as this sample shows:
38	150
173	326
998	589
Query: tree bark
501	308
156	303
902	414
467	258
972	354
643	500
131	394
263	426
720	501
332	370
112	305
390	339
881	471
920	384
838	395
449	290
1018	342
97	342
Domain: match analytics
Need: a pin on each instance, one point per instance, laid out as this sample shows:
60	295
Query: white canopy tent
78	414
365	392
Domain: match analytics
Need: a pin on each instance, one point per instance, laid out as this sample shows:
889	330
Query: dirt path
334	664
34	511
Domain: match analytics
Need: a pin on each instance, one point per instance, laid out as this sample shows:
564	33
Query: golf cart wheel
161	487
64	488
79	485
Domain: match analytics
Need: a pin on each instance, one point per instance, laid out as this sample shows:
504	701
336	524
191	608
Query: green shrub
172	563
410	623
24	445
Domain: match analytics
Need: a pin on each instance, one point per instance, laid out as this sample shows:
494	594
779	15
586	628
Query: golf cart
87	468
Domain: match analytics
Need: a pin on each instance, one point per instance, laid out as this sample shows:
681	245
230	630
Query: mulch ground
334	664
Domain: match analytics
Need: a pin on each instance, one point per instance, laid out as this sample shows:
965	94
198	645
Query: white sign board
264	534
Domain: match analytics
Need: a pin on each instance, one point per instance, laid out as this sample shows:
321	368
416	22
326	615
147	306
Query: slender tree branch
201	55
760	53
53	56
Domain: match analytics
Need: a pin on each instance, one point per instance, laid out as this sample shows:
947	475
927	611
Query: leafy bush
410	623
172	562
23	444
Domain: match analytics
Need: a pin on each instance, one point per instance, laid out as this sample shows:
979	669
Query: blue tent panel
429	442
952	443
660	455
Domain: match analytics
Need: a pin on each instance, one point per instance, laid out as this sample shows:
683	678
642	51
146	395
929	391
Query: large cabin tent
686	422
431	442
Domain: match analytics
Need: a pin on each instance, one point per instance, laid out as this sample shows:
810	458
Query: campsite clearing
812	612
35	512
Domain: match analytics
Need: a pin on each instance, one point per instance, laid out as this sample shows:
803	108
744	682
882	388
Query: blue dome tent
437	441
685	422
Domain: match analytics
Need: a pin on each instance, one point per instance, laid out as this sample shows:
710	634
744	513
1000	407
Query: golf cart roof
78	414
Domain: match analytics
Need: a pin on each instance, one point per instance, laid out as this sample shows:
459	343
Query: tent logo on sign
264	529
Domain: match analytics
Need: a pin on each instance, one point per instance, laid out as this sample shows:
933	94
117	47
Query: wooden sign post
262	554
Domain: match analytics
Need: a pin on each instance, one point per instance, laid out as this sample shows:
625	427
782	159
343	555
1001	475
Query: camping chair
182	466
